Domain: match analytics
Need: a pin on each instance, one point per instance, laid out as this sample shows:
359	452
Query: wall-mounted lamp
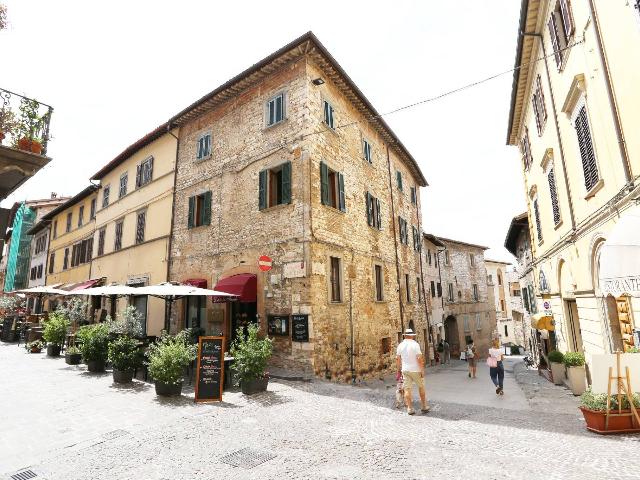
317	81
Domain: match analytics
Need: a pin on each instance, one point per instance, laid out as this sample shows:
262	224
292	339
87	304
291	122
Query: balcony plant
574	361
594	406
167	359
94	345
125	357
55	331
250	357
8	123
28	134
35	347
556	359
73	356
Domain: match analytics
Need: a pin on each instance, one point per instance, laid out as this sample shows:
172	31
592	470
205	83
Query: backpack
469	352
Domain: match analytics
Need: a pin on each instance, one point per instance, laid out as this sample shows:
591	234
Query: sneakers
425	409
497	390
501	391
469	374
411	411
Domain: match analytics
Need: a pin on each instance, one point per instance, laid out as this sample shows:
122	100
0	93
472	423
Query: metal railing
24	122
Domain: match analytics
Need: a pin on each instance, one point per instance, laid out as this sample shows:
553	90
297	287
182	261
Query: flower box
596	421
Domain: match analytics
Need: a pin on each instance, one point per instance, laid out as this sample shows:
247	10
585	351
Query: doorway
451	334
573	326
242	314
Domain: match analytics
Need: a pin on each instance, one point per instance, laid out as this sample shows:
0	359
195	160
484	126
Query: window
275	110
141	220
203	147
447	258
554	197
105	196
476	295
200	210
539	107
81	252
465	321
39	273
52	259
366	151
332	188
81	216
433	289
525	147
418	284
399	179
407	287
374	216
416	238
69	219
429	256
41	243
450	292
414	195
472	259
32	273
379	280
490	279
55	229
506	331
478	322
404	234
532	300
92	211
502	306
117	244
144	172
587	153
328	115
516	293
439	290
101	235
536	212
274	186
195	311
124	179
65	262
499	279
336	280
561	29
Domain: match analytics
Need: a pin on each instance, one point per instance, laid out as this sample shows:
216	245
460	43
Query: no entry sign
265	263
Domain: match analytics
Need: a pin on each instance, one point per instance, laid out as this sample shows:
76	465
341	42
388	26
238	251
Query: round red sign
265	263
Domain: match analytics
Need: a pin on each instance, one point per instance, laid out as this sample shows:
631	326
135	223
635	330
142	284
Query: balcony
24	134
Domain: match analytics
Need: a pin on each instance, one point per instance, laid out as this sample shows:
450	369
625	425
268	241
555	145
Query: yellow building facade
573	116
133	221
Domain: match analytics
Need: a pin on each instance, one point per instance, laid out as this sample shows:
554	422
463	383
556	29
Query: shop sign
265	263
210	369
278	324
300	328
617	286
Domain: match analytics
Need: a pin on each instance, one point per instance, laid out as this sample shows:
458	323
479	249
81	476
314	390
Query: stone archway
451	334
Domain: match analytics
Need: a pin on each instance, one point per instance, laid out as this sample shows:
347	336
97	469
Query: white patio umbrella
43	289
107	291
172	291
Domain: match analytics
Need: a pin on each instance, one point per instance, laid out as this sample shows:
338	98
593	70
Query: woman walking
496	368
471	359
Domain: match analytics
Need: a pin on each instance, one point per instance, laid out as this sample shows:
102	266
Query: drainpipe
624	154
395	243
173	211
557	125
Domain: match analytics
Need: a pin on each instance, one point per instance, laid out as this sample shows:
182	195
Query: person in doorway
496	368
440	349
471	359
410	363
446	354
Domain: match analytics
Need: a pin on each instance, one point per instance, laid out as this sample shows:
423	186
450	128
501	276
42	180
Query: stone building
499	279
431	246
467	310
290	161
574	116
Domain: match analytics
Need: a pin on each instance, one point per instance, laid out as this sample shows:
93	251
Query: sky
115	70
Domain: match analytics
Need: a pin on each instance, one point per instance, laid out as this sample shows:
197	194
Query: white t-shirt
496	353
409	351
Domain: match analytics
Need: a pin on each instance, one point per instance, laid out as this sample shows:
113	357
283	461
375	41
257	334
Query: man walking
447	352
410	362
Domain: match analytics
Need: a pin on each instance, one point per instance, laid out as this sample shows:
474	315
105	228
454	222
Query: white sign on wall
600	371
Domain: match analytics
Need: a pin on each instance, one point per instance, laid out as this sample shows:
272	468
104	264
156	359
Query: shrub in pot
556	359
35	347
55	331
124	356
167	359
594	407
574	361
250	357
94	345
73	356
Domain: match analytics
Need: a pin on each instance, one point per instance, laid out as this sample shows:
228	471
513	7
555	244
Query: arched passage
451	334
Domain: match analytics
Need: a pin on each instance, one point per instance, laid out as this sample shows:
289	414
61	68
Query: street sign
547	305
264	263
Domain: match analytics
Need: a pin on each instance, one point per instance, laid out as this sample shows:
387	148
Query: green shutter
341	197
286	183
324	184
378	215
262	190
399	179
192	209
207	208
369	203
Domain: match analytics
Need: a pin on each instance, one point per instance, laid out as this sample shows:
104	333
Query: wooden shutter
286	183
589	166
399	179
138	175
541	104
533	305
324	184
378	215
262	190
536	112
536	213
567	19
555	42
206	216
341	196
368	200
554	197
192	211
150	177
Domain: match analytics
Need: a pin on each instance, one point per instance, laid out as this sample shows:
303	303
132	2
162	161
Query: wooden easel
623	384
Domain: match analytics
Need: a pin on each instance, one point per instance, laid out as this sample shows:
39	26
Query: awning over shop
244	285
72	287
620	257
542	321
196	282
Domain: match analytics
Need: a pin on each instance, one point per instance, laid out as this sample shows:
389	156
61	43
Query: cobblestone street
63	423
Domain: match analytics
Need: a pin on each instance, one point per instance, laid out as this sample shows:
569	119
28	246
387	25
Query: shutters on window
341	197
567	19
378	215
138	175
286	183
369	202
262	189
324	183
554	196
589	166
555	41
206	210
192	212
536	212
541	104
525	299
399	179
532	300
526	150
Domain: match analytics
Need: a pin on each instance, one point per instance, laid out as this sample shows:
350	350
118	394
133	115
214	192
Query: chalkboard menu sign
300	328
210	370
278	324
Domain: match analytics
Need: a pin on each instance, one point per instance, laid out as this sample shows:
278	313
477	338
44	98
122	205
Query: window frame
267	196
407	287
123	184
118	235
450	293
81	216
328	114
201	156
367	151
92	208
581	112
283	95
374	213
52	260
102	234
199	211
141	168
141	214
336	279
334	194
476	292
106	193
378	282
69	222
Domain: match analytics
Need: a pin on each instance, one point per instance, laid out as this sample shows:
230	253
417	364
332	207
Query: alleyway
64	423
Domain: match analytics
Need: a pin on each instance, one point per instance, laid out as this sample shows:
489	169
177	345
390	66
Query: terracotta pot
249	387
24	143
168	389
2	136
36	147
36	350
596	421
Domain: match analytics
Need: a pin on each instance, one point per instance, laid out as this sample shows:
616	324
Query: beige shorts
411	378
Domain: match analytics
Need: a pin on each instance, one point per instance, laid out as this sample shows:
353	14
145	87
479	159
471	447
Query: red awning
245	285
196	282
71	287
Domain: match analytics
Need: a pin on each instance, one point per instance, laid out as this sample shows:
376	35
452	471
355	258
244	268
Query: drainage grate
24	475
247	458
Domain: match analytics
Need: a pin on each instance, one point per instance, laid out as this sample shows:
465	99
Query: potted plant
167	359
55	331
8	123
29	128
94	345
574	361
250	356
556	359
35	347
73	356
594	407
124	356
